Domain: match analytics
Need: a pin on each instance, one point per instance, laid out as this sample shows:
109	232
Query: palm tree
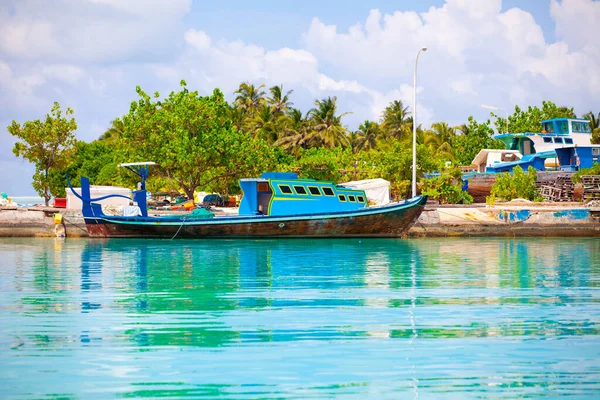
594	120
237	115
595	125
367	135
278	101
116	130
263	124
249	98
463	129
440	148
327	127
443	131
394	119
295	135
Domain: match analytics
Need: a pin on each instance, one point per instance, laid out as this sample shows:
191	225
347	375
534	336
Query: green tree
192	138
295	136
324	163
279	102
447	188
327	129
474	137
49	144
444	132
530	120
595	125
395	165
114	132
249	97
95	160
438	139
367	136
263	124
395	120
519	184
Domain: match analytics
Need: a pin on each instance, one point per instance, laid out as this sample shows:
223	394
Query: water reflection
300	318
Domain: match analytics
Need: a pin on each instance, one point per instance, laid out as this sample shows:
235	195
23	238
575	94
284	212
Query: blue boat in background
537	149
544	151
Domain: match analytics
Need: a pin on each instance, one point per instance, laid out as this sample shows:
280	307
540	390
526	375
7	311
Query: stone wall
566	220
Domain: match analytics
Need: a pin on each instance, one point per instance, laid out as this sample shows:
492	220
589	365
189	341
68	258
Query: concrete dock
504	219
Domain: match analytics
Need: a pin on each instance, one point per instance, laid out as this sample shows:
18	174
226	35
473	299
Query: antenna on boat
498	109
141	170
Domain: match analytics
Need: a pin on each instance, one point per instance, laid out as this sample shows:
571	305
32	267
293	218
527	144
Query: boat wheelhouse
282	193
556	133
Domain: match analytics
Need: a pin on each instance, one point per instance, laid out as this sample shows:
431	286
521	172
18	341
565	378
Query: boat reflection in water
319	318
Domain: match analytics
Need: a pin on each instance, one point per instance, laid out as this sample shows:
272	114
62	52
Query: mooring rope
74	224
180	226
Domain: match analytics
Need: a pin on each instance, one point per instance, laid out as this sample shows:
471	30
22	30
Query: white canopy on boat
377	190
132	164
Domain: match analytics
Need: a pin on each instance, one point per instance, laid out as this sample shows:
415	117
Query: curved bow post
88	208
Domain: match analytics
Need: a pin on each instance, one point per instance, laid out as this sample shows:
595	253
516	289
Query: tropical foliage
202	142
530	120
595	125
49	144
594	170
519	184
192	138
447	188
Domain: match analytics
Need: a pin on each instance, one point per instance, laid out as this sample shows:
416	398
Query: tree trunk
46	188
189	193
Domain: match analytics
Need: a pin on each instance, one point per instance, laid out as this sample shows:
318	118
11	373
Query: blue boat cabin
577	157
282	193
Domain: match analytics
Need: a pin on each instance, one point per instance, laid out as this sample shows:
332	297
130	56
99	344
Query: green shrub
518	185
446	188
595	170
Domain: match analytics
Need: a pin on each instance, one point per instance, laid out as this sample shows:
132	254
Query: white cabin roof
482	155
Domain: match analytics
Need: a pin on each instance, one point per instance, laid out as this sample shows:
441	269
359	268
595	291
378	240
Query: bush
446	188
517	185
595	170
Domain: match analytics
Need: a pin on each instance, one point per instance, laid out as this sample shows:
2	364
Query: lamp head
424	48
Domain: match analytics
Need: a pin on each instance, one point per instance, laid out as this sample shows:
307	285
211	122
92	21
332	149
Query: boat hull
388	221
480	186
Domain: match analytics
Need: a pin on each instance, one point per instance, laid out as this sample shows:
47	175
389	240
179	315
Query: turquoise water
382	319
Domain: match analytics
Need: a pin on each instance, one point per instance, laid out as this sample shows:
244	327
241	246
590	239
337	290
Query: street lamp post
414	163
498	109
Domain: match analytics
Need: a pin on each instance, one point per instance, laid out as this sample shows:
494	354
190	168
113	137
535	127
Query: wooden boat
274	205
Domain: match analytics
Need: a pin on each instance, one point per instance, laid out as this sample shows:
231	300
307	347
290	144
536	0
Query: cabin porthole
281	225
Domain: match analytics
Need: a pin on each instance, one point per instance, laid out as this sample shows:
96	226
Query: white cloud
88	31
578	24
91	54
477	54
198	39
225	64
63	72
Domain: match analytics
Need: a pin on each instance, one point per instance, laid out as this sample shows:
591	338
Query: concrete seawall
509	219
39	222
563	220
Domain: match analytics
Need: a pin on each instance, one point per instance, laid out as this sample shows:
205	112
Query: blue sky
90	54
